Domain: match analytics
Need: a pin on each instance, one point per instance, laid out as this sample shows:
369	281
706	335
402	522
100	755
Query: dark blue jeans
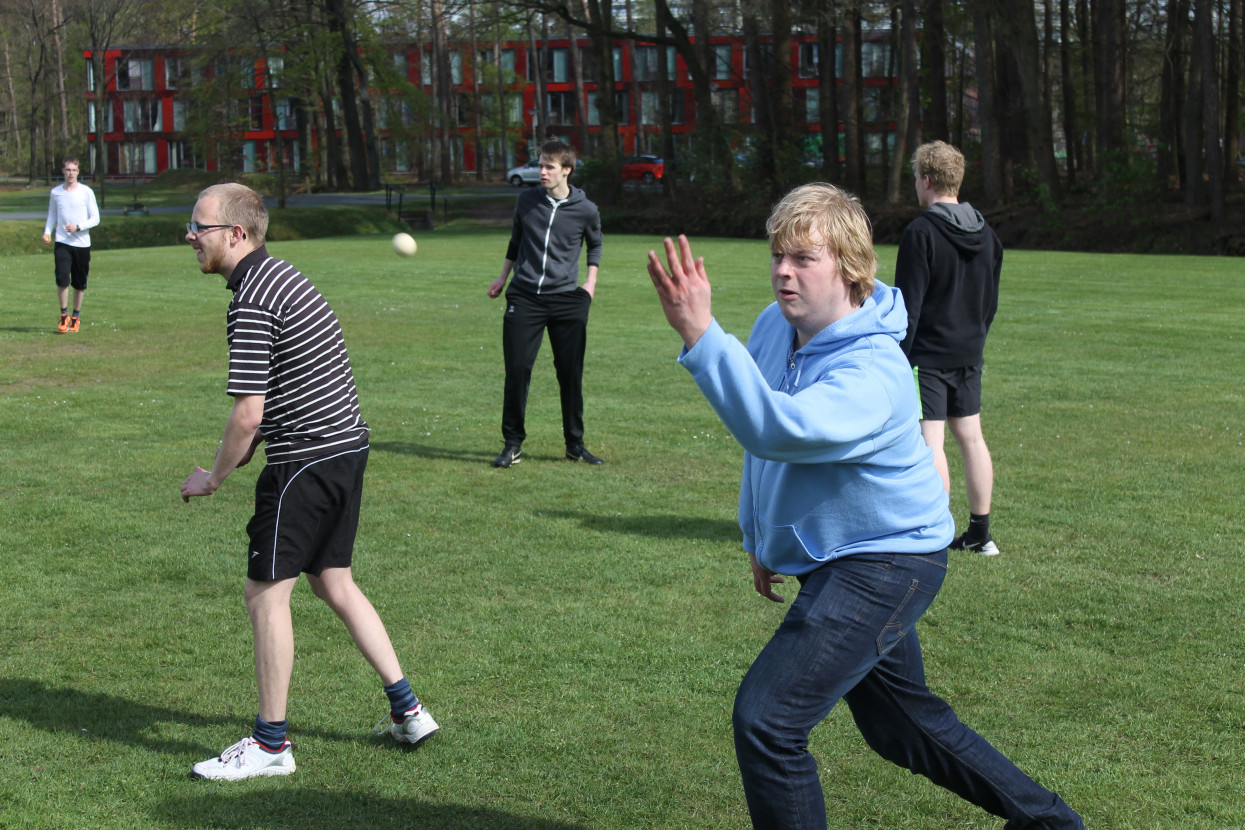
851	634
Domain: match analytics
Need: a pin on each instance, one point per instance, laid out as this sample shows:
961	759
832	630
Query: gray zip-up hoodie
547	237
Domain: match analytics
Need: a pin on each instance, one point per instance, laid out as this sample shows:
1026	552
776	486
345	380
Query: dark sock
401	699
270	735
978	527
76	312
64	309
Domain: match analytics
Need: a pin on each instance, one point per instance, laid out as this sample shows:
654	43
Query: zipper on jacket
544	254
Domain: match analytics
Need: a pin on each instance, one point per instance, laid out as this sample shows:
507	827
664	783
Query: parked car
525	173
647	169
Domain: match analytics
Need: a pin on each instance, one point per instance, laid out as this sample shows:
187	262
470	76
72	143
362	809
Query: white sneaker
417	727
246	759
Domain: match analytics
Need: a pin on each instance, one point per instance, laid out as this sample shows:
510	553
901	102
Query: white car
524	174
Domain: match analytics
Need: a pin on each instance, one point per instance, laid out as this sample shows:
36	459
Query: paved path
415	195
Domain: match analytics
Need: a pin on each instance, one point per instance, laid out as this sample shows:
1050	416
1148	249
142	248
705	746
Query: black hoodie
948	270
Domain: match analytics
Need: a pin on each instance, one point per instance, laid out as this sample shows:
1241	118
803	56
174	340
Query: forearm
590	284
239	440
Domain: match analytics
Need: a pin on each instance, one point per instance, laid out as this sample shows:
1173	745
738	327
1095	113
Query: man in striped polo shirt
292	387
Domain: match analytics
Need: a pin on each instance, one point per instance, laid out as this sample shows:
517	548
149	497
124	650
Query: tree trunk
636	96
1018	31
1232	99
1088	97
933	71
1204	37
1072	143
536	66
908	123
1172	96
759	87
827	37
854	173
1110	74
664	102
991	159
476	109
581	100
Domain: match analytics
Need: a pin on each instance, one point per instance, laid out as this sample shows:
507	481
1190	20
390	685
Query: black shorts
306	516
73	264
949	393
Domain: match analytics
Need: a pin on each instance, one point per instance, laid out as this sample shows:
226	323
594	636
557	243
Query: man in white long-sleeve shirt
72	212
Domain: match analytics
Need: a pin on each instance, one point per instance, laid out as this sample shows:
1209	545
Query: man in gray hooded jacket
948	269
552	224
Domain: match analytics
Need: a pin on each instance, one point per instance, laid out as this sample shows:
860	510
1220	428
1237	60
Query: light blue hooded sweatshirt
834	461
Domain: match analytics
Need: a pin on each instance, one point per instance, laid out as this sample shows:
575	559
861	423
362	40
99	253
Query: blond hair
237	204
821	214
943	164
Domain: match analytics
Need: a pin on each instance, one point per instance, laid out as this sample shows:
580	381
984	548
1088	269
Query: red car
647	169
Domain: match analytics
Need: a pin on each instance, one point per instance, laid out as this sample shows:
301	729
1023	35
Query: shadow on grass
319	810
665	527
434	453
61	710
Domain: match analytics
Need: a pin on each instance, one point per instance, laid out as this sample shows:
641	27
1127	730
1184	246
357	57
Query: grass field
580	632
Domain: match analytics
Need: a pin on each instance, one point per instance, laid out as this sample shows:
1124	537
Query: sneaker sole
413	741
266	772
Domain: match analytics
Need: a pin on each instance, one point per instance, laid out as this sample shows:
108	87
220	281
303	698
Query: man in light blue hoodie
839	490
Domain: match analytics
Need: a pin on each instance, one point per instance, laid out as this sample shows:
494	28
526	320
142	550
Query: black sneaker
580	454
510	456
985	547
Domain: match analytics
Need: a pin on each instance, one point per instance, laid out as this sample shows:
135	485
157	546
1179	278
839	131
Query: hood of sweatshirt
961	224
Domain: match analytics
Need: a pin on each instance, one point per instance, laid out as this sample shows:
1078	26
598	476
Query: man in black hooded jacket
948	270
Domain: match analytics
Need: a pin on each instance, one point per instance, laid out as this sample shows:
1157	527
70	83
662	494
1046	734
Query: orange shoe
73	323
63	325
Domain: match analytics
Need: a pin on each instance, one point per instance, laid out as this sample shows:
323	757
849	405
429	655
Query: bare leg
63	294
934	433
268	604
336	586
77	300
978	467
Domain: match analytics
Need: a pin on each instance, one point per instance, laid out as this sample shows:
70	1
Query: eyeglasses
194	228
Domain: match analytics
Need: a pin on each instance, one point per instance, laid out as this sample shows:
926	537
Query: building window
256	113
142	115
875	59
456	67
810	60
647	66
285	114
276	66
726	104
106	110
132	158
90	76
812	105
561	109
559	66
182	155
722	62
180	108
622	108
135	74
176	73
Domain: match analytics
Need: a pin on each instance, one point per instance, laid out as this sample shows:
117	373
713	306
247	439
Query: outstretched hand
683	289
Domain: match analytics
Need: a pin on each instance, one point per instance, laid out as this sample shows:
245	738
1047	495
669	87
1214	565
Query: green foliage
578	632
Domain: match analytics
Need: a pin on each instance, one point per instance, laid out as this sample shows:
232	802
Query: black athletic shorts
949	393
306	515
73	264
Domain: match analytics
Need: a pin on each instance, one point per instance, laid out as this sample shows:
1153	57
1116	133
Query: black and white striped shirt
285	343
